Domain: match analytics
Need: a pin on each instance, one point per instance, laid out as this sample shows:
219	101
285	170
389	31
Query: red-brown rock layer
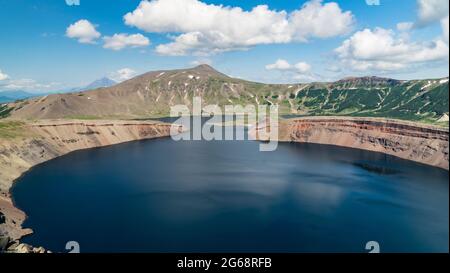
407	140
48	139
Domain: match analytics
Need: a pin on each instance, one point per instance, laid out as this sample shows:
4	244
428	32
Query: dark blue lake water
165	196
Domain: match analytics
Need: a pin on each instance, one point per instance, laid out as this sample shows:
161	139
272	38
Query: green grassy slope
152	94
423	100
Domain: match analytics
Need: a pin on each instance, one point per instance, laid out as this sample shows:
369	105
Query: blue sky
287	41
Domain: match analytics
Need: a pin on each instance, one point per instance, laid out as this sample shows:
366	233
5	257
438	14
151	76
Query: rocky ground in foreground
7	245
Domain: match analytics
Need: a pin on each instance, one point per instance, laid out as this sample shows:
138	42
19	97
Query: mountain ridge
100	83
13	95
151	94
9	96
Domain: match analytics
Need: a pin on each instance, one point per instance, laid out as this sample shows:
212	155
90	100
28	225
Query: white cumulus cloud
444	25
123	40
405	26
315	19
28	85
300	71
123	74
205	29
283	65
3	76
279	64
381	49
84	31
431	11
302	67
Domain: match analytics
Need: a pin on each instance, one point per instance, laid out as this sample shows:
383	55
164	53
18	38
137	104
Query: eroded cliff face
48	139
421	143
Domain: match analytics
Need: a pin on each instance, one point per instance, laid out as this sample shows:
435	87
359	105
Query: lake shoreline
49	139
417	142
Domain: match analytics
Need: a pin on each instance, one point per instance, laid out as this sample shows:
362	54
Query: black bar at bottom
255	262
